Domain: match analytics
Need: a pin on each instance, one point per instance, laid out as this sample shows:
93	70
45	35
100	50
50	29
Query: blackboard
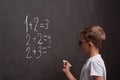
36	35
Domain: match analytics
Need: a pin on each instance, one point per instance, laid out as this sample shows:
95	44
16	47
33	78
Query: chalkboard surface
36	35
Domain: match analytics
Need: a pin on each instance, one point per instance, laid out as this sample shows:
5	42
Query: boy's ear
90	44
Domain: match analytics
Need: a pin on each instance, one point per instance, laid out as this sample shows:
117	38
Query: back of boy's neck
93	53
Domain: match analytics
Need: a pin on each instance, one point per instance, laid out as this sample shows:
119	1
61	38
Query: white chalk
68	62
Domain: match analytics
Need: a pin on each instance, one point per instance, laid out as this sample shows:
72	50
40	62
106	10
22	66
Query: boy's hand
66	66
66	70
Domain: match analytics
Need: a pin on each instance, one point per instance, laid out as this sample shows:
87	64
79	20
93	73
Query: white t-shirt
94	66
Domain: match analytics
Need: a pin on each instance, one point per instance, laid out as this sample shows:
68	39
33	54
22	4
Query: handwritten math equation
38	38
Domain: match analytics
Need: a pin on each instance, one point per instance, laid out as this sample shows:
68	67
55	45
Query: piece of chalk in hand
68	62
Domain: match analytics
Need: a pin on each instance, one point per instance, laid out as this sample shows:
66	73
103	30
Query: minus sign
44	48
42	26
44	52
45	35
45	39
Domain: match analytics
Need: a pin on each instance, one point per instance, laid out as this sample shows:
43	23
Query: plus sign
34	51
34	39
30	24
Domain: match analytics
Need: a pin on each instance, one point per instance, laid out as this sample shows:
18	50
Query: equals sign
42	25
45	36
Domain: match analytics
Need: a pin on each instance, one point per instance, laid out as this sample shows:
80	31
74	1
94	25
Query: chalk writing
37	41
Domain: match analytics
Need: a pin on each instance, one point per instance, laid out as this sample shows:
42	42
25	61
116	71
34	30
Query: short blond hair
94	34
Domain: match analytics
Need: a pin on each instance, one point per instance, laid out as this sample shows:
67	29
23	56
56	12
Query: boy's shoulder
95	59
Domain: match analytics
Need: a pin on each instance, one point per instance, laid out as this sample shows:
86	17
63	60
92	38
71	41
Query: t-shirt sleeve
96	69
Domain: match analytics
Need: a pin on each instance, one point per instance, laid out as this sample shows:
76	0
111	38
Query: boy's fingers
63	64
66	63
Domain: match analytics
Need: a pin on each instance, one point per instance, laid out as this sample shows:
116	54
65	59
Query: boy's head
93	34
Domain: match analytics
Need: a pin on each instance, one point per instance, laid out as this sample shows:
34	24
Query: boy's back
94	66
